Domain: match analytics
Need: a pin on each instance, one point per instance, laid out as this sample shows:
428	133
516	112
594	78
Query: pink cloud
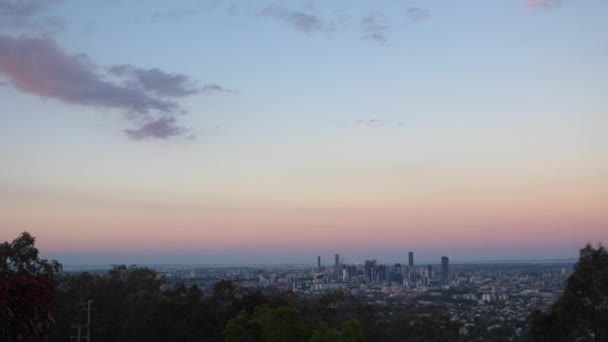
39	66
544	4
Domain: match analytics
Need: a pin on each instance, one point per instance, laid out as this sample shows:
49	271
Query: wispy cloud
175	13
39	66
161	128
162	83
216	88
369	122
27	15
302	21
544	4
375	28
156	81
416	14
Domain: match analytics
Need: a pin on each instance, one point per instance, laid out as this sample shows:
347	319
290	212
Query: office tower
337	270
352	271
396	273
430	271
370	270
397	268
319	262
411	255
445	268
381	273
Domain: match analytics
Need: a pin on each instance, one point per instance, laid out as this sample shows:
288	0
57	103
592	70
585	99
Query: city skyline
320	262
210	132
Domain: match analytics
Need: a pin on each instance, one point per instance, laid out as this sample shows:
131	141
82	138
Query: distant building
430	271
319	262
370	270
396	273
445	268
337	268
411	263
381	273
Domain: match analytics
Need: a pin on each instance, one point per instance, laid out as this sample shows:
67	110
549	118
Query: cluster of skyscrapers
372	272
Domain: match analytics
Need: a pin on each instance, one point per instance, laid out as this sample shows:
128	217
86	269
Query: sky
272	132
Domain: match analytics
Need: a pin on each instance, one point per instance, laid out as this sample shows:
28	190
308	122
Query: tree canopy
581	313
27	296
21	256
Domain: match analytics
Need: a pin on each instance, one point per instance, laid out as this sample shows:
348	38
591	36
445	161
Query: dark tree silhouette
27	296
581	313
21	256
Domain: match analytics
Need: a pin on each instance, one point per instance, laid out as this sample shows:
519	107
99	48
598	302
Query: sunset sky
261	132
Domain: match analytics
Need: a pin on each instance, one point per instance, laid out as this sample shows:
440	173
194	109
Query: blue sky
302	126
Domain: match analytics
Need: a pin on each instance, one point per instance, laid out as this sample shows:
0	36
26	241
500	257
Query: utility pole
79	326
88	320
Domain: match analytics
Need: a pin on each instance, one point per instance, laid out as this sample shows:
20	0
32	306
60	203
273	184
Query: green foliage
21	256
241	329
325	334
581	313
350	331
280	324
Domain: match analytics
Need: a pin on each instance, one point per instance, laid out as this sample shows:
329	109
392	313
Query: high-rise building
430	271
396	273
381	273
370	270
445	268
411	263
337	268
319	262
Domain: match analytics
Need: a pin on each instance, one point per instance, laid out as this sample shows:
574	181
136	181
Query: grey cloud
26	15
214	88
156	81
175	14
161	128
417	14
302	21
162	83
375	27
37	65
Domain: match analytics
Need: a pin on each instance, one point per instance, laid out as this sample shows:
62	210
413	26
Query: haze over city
222	132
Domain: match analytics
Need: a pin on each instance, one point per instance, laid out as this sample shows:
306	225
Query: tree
350	331
325	334
21	256
581	313
27	297
241	329
280	325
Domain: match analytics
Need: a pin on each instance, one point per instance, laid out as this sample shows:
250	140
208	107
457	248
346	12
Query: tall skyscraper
445	268
411	255
319	262
337	270
371	273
